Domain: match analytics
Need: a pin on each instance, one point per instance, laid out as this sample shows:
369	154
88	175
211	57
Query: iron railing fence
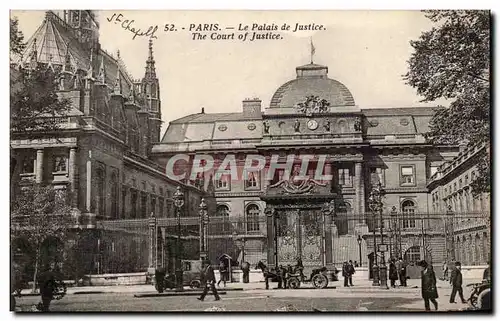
134	245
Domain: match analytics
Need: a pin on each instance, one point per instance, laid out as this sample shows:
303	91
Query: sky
365	50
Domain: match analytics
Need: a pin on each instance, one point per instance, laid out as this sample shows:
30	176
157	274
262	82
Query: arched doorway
412	255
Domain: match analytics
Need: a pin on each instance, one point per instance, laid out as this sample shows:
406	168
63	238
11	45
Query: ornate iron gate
299	234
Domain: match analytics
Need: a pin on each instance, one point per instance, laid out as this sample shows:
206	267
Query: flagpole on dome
313	51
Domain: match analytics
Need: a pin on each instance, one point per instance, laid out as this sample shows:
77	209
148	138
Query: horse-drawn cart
319	278
293	277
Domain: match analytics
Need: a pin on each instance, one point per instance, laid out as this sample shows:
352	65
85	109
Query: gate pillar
271	236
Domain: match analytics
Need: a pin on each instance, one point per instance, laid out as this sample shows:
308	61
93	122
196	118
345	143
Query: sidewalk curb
192	293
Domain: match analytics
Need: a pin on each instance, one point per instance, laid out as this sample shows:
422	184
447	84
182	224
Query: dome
312	80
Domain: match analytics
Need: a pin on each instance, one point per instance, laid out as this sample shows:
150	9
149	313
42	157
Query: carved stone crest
296	186
313	105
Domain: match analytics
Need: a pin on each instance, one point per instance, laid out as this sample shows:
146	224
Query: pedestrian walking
224	273
456	282
402	272
208	281
445	271
393	272
160	273
351	272
47	284
429	288
345	273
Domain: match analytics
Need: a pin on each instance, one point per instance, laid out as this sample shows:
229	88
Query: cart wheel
320	281
293	283
195	284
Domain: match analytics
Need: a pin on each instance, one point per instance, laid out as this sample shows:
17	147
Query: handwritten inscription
128	25
217	32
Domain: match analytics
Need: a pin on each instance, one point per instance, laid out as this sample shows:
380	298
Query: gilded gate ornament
296	186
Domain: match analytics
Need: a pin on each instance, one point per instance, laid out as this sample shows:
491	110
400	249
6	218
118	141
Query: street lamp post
359	246
376	206
394	229
178	203
204	219
450	246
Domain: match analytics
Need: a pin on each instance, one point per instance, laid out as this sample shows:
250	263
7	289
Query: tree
16	37
452	61
34	102
39	214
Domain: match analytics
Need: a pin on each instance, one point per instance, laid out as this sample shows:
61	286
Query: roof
312	80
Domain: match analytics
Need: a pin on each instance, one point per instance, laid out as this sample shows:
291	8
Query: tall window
101	205
222	214
60	164
133	204
377	175
161	203
222	182
407	176
252	181
408	210
153	205
124	202
253	218
412	254
345	178
28	165
144	200
114	195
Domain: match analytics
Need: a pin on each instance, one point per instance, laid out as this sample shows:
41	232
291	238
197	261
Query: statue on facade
266	127
294	185
296	126
326	125
312	105
357	125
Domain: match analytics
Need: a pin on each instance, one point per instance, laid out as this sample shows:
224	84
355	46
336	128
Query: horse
269	274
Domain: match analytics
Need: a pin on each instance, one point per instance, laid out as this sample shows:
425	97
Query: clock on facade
312	124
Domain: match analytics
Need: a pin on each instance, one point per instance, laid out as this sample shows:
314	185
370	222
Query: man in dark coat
245	267
393	272
345	273
456	282
208	280
351	272
402	272
160	273
47	284
429	288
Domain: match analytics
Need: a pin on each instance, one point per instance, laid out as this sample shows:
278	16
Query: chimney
251	107
202	110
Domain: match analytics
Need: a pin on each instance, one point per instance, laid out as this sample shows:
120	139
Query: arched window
133	204
412	254
342	219
252	218
408	210
100	200
114	196
477	249
342	127
222	219
485	248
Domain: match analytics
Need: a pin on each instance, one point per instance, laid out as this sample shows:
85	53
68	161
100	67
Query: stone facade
316	115
469	226
101	154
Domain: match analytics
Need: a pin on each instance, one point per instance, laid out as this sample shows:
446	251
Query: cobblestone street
361	297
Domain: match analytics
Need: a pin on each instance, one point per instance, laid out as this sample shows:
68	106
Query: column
72	170
89	183
359	203
328	239
270	214
152	242
39	166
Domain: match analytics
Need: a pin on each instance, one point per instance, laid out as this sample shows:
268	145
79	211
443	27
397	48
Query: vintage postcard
295	161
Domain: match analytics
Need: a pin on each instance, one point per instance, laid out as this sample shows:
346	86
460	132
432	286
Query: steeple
117	89
101	76
150	73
